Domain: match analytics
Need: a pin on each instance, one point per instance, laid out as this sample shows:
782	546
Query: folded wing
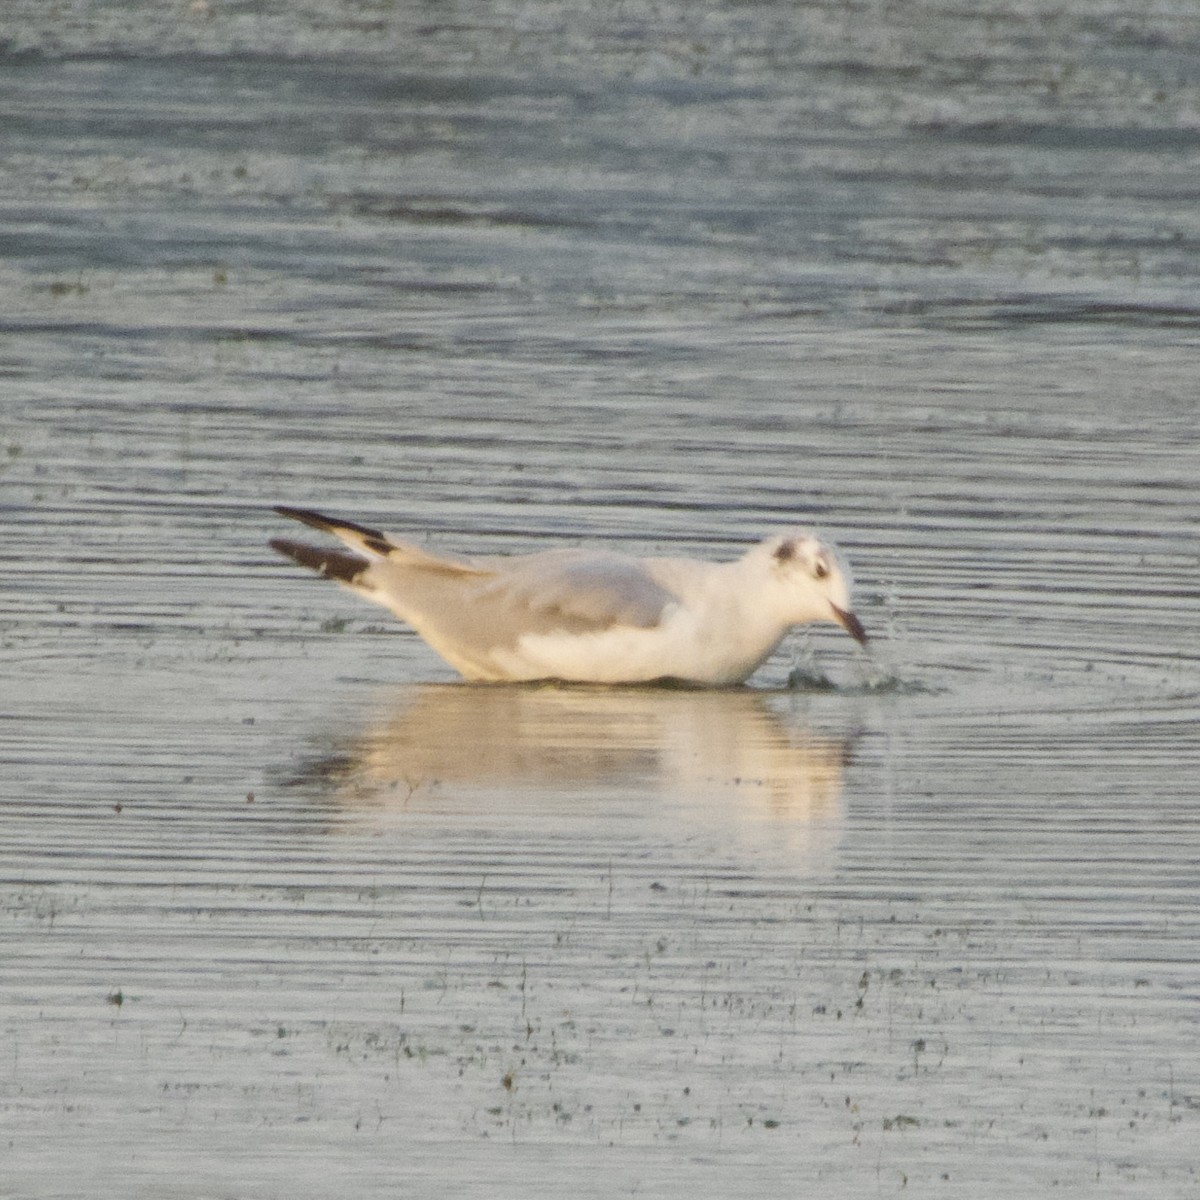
468	608
578	591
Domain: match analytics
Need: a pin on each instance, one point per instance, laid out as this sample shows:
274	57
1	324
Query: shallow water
286	910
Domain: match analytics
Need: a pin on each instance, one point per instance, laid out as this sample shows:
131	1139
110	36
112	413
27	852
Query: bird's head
813	583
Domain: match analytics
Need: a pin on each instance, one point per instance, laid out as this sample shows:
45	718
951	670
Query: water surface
286	909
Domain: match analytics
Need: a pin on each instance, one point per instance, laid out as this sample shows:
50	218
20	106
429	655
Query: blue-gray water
286	912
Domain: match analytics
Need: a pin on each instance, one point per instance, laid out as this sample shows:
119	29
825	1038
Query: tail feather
333	564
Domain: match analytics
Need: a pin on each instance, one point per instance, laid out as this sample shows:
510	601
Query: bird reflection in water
706	761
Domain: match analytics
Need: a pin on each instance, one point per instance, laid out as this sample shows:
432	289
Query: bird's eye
820	568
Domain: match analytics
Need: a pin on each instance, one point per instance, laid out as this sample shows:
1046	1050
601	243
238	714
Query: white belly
676	649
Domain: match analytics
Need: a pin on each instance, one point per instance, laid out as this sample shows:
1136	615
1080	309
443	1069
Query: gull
591	616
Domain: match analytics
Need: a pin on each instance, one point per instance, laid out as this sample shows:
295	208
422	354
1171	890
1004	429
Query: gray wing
468	617
468	608
576	590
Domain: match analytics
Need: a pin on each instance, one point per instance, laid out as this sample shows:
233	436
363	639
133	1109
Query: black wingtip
333	564
328	524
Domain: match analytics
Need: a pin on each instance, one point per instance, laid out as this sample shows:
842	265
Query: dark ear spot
785	551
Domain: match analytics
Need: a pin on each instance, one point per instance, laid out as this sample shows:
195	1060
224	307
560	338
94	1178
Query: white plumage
592	616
